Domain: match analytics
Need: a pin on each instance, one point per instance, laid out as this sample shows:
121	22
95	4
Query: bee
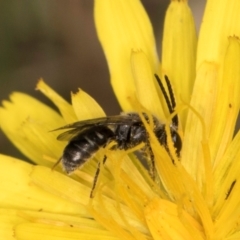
125	130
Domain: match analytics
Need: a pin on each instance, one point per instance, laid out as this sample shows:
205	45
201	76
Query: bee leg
97	175
55	165
147	155
152	167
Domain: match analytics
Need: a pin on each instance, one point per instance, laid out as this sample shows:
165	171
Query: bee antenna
172	98
170	90
171	103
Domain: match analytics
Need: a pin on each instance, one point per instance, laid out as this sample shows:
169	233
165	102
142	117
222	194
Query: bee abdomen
83	146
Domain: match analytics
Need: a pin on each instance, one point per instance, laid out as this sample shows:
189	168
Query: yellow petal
145	82
78	192
61	185
179	50
121	27
226	209
221	20
20	191
195	132
227	221
166	221
27	123
220	103
227	102
226	171
181	187
21	224
64	107
8	219
85	107
38	231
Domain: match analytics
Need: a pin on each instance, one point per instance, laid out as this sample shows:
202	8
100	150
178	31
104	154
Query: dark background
56	40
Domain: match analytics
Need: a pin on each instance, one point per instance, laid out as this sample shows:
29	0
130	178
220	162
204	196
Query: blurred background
56	40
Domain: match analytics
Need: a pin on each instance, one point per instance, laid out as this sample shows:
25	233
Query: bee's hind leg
148	156
97	175
152	167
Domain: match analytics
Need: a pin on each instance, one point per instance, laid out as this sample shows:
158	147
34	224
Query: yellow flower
194	197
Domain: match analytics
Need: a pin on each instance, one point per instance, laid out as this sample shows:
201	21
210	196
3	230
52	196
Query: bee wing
70	134
78	127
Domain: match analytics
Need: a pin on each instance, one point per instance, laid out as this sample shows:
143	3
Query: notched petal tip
9	219
22	121
64	107
85	106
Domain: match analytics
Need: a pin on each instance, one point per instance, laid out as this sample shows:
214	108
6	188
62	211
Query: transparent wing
78	127
70	134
